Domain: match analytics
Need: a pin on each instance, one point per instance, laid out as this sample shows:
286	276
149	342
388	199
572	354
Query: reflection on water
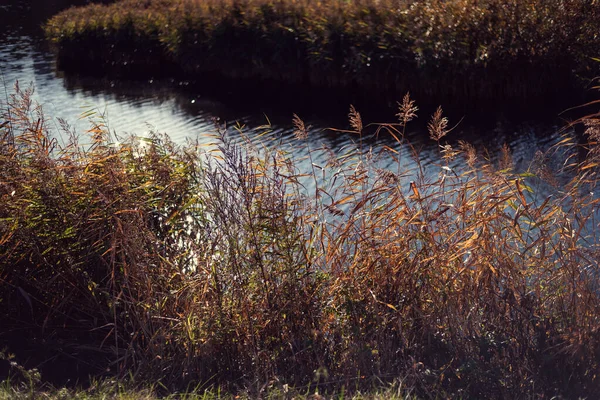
185	110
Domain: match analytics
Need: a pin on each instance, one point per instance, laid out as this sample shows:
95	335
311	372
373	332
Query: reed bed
146	260
448	51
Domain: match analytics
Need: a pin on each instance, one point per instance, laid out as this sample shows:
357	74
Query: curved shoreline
487	52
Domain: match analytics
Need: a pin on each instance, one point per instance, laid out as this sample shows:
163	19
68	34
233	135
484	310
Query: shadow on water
27	59
190	109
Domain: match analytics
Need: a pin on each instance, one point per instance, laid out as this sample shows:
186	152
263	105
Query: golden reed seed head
407	110
301	131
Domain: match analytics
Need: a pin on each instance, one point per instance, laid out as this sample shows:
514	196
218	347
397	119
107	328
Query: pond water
187	110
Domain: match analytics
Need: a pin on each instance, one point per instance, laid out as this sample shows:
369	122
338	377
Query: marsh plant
441	50
177	265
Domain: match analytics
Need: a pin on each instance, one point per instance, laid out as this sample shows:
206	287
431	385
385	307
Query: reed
444	51
170	264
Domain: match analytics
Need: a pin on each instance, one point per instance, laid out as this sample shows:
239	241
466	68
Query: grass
113	391
139	259
459	51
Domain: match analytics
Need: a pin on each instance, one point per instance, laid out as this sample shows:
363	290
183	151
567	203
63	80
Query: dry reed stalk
179	266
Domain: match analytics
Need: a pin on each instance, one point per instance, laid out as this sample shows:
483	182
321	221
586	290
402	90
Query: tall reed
172	264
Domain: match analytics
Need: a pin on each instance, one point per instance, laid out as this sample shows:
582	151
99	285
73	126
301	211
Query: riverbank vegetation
449	51
230	268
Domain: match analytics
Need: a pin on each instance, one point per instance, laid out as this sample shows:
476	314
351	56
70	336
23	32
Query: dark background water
191	110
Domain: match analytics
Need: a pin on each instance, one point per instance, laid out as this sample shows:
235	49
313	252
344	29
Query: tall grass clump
232	268
460	50
144	258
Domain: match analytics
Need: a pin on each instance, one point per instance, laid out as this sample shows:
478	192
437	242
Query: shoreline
362	47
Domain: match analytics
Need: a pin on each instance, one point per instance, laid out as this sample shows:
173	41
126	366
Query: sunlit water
184	111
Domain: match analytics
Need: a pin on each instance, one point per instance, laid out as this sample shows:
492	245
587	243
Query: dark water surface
186	110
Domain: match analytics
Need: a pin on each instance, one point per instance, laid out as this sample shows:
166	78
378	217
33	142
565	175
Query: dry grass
172	265
458	51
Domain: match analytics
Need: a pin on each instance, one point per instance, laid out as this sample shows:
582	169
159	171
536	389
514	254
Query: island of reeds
231	269
460	51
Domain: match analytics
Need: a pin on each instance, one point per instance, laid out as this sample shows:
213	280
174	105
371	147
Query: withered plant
169	263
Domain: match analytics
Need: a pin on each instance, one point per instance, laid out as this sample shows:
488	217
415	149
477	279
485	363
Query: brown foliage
179	266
